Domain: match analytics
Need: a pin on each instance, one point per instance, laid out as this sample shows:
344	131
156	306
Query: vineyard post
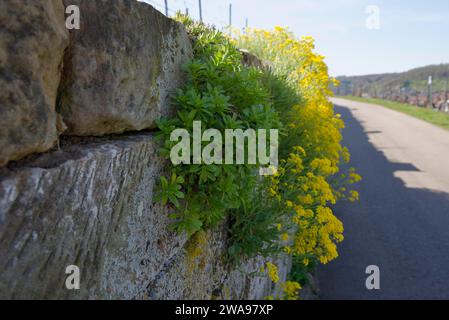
201	10
166	7
230	18
446	96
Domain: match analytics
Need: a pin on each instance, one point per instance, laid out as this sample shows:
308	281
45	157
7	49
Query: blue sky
412	33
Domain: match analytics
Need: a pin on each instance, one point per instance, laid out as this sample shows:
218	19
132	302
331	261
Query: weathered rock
201	272
89	205
121	67
311	291
251	60
32	42
92	205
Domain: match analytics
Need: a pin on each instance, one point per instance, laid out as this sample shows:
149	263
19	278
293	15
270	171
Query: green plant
254	229
300	270
170	190
222	94
440	119
288	212
309	181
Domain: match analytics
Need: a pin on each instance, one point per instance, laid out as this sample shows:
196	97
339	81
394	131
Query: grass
437	118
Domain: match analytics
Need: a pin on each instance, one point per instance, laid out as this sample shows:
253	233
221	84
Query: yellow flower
288	249
303	180
353	196
272	272
306	200
354	177
291	290
324	166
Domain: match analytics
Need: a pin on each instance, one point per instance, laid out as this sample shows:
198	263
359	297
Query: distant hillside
387	85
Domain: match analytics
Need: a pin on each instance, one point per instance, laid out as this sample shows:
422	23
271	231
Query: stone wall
95	92
33	38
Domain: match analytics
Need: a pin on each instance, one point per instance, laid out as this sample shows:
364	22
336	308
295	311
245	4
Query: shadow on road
402	230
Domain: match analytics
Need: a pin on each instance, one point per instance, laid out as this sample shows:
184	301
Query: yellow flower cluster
303	67
324	167
272	272
291	290
303	183
318	236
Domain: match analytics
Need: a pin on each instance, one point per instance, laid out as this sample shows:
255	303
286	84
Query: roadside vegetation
435	117
415	80
288	213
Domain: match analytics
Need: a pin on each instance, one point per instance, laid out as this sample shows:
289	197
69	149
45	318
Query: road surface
401	223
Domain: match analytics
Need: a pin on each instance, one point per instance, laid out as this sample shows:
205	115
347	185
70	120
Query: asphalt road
401	223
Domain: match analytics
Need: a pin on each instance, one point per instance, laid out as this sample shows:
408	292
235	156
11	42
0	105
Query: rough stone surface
251	60
311	291
32	42
200	272
121	67
91	205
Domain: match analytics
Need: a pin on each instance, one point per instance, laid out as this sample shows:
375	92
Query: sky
355	40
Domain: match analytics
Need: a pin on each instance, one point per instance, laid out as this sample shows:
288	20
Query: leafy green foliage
282	213
222	94
255	227
171	190
299	270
